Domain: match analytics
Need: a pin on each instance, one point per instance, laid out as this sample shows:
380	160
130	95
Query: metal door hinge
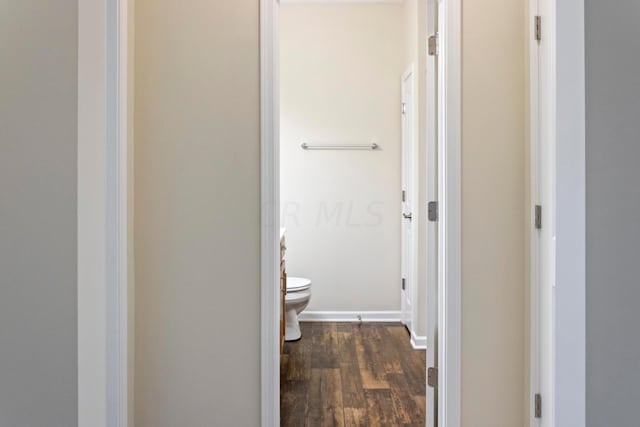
433	211
432	377
404	196
404	283
538	217
433	45
538	28
404	108
537	405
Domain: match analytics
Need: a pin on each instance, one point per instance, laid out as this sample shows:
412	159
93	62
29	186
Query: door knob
407	216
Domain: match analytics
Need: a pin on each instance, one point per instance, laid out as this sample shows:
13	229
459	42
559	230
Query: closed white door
408	185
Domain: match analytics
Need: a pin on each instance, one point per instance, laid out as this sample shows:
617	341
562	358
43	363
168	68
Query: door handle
407	216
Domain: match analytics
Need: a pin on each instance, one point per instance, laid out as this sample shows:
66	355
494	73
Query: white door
408	279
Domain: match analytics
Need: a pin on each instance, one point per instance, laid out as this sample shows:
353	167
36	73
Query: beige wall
493	217
197	213
340	81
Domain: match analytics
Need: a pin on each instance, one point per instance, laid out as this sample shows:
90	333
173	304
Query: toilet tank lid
298	283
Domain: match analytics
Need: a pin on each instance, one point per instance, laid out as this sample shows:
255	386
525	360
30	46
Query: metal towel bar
372	146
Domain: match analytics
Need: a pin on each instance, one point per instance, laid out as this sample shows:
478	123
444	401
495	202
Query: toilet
296	300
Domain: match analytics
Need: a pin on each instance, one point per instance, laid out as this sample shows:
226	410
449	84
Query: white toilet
296	300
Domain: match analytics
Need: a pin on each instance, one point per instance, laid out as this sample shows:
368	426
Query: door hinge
433	45
537	405
432	377
538	217
404	196
433	211
538	28
404	109
404	283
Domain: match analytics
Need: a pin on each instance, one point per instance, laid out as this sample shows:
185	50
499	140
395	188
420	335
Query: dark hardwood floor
345	374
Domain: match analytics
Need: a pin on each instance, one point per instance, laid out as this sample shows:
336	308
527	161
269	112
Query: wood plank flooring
345	374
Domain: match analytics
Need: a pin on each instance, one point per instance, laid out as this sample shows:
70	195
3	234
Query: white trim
117	214
270	214
102	214
450	170
534	259
418	342
350	316
558	183
432	178
536	357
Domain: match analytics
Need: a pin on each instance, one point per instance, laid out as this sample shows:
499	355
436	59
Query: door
409	270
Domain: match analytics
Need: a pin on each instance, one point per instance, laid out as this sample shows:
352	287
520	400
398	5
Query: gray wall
38	98
613	213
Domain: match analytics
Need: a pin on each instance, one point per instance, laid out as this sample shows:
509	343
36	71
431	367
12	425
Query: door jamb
450	221
535	326
270	215
565	101
103	178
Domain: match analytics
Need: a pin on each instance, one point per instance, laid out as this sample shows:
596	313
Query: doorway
346	154
444	112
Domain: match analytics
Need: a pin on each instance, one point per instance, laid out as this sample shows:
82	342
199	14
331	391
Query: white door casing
558	186
432	227
444	20
543	211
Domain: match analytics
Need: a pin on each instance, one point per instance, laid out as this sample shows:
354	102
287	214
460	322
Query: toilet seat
293	298
297	284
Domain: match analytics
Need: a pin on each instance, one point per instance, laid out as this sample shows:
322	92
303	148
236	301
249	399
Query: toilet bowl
296	300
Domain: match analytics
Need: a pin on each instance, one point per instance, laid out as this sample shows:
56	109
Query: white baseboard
418	342
349	316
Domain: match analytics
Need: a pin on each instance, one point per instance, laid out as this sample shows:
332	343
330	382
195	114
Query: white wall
197	213
340	77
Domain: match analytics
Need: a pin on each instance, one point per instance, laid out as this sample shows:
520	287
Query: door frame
564	315
103	315
270	302
449	159
449	224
